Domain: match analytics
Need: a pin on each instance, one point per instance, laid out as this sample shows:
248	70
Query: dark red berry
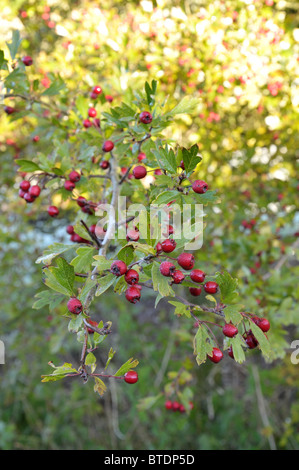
131	377
109	98
74	306
104	164
264	324
186	260
167	268
29	198
139	172
69	185
176	406
92	323
70	229
25	185
97	90
250	340
168	405
230	330
230	352
168	245
81	201
197	275
217	355
141	156
133	294
35	191
178	277
196	291
133	235
87	123
145	117
92	112
199	186
108	145
182	165
27	60
9	109
22	193
53	211
118	268
74	176
211	287
36	138
131	277
159	248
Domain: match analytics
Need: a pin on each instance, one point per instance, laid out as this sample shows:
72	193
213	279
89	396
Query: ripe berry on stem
25	185
131	377
69	185
178	277
139	172
230	330
167	268
118	268
133	294
92	112
196	291
216	356
199	187
211	287
145	117
131	277
35	191
74	306
74	176
186	261
168	245
53	211
197	275
97	90
27	60
108	145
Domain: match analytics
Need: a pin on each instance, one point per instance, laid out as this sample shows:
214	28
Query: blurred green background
241	58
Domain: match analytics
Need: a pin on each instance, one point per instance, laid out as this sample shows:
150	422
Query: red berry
74	306
81	201
196	291
69	185
133	294
22	193
217	355
104	164
70	229
167	268
139	172
186	261
27	60
182	165
176	406
131	377
178	277
182	409
133	235
53	211
9	109
199	186
36	138
264	324
197	275
25	185
168	405
109	98
250	340
230	352
118	268
168	245
108	145
141	156
87	123
159	248
29	198
97	90
93	95
230	330
131	277
92	112
211	287
74	176
92	323
35	191
145	117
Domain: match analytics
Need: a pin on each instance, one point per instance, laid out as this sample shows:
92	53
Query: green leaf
126	254
165	157
111	354
143	248
83	262
160	282
82	104
147	403
91	361
14	45
237	344
52	251
3	61
99	386
102	263
228	287
56	86
46	297
104	283
59	373
186	106
130	364
232	313
262	340
27	166
202	345
75	323
209	197
180	308
61	277
165	197
190	159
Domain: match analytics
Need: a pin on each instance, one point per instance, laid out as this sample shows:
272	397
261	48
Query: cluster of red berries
176	406
92	112
133	292
74	236
70	183
86	206
28	192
